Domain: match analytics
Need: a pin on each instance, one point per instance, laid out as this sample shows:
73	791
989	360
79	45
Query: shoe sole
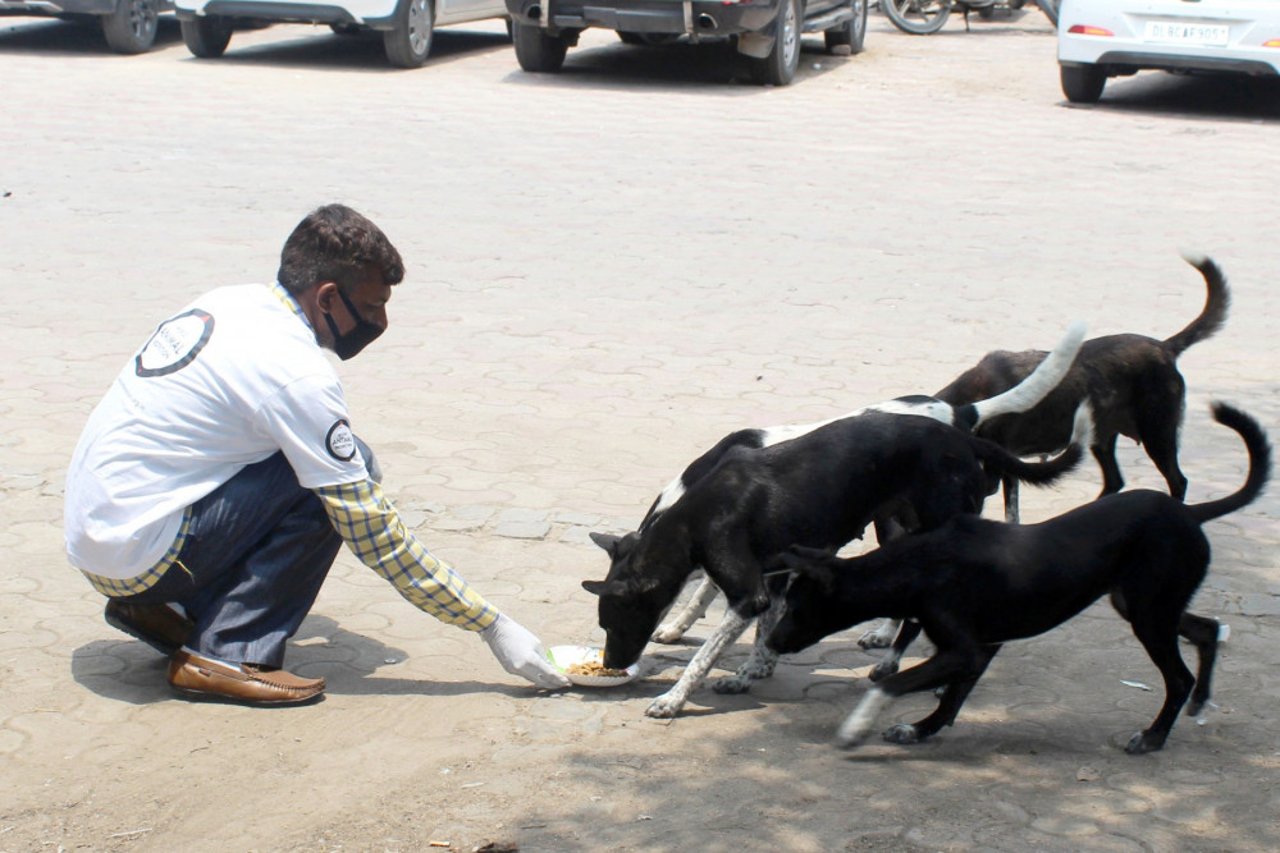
193	695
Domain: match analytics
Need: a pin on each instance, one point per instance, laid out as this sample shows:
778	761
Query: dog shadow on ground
130	671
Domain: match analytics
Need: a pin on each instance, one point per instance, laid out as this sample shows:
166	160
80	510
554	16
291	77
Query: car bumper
378	14
648	16
1125	42
41	8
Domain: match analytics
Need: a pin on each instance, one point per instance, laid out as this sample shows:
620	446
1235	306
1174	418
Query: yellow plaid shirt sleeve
372	529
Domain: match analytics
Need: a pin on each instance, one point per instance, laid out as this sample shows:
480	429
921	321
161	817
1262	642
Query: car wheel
779	67
409	41
1083	84
918	17
536	51
852	33
206	37
131	26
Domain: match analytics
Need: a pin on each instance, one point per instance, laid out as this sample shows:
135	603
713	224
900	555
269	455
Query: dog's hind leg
760	664
1010	485
1203	633
669	704
673	629
1160	439
1104	450
1158	633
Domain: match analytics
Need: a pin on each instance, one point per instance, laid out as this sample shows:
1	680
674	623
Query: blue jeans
258	551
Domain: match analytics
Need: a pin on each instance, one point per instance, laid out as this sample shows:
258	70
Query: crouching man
215	482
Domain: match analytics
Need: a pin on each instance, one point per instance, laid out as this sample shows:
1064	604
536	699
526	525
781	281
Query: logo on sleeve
174	344
340	442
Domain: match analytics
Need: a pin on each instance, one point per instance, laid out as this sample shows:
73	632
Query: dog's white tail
1030	391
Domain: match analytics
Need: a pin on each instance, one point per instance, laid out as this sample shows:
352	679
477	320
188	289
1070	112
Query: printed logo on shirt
340	441
174	344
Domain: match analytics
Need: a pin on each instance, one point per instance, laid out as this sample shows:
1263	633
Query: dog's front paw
665	707
736	683
903	733
850	738
667	634
884	669
1144	742
877	639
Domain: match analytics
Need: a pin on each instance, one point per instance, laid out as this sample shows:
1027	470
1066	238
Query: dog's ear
596	587
616	546
811	563
607	541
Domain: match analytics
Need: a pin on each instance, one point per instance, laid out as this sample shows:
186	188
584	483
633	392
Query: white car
406	25
1098	39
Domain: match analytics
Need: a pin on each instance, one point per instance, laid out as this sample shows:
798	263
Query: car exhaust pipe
534	12
706	22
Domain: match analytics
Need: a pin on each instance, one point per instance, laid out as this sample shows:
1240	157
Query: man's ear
326	296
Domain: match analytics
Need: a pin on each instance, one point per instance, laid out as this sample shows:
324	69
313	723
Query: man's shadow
127	670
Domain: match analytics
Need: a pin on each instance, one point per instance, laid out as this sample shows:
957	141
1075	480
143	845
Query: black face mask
346	346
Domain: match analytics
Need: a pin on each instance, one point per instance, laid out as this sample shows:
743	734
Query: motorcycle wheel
918	17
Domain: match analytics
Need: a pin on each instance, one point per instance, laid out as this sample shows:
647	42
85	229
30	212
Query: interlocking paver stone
608	270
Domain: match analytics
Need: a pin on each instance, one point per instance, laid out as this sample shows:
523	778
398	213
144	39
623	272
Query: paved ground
608	269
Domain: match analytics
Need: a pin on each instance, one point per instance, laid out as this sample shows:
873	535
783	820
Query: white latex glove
521	653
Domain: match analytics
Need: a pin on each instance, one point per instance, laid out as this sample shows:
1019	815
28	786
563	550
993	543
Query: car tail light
1086	30
1271	43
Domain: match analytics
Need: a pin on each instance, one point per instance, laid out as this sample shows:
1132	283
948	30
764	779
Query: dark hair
334	243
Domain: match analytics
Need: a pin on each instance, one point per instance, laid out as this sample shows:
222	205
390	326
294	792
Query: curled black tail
1255	441
1004	464
1216	304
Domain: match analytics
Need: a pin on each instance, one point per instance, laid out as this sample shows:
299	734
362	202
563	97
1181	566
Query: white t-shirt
225	383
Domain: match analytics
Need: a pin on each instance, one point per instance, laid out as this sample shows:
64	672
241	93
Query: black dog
974	584
1019	398
821	489
1131	381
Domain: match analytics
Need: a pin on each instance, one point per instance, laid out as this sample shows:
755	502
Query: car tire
207	36
779	67
130	28
409	41
852	33
536	51
1082	84
923	21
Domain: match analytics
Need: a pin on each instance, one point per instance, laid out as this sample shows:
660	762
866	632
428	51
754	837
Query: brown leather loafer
197	677
159	626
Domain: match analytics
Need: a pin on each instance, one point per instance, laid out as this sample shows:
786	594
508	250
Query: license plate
1172	32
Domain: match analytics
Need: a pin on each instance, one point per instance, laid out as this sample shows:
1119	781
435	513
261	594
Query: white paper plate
566	656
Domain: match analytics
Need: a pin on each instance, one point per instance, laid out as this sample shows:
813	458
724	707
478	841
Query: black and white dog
820	489
1131	381
974	584
968	416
